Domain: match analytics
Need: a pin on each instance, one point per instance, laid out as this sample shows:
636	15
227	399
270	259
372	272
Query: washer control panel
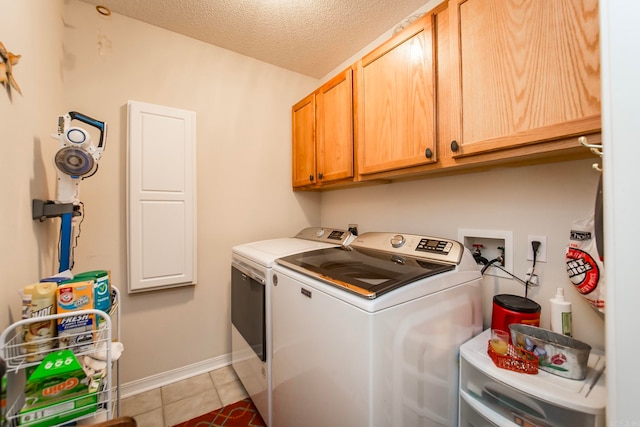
432	248
397	241
436	246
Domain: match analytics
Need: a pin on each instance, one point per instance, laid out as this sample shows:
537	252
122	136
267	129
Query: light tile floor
184	400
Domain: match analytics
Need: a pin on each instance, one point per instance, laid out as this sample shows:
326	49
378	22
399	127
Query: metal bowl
558	354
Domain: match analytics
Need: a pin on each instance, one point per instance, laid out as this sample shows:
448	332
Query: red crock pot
508	309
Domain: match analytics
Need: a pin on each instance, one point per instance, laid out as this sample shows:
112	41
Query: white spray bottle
560	313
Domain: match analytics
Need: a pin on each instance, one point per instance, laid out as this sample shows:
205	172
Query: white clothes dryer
251	273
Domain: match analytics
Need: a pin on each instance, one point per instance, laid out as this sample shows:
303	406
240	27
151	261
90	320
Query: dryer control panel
328	235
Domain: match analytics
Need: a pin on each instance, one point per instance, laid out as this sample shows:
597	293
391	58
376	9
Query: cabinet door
334	127
523	72
161	189
396	102
303	121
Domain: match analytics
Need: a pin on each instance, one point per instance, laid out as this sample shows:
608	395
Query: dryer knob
397	240
319	232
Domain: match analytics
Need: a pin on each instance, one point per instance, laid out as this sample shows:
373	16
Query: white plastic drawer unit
491	396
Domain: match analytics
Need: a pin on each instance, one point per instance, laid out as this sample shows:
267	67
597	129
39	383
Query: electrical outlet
542	250
532	279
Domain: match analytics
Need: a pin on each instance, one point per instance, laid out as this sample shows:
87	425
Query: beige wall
33	29
243	171
243	165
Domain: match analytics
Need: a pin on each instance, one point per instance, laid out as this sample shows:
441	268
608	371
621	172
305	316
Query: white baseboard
149	383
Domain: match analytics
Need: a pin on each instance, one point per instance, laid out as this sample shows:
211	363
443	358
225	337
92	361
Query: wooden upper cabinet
395	108
323	134
523	72
334	128
468	84
303	121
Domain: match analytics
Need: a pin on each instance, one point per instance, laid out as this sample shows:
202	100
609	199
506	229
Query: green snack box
58	391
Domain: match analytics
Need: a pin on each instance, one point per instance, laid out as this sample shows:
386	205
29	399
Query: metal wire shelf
19	363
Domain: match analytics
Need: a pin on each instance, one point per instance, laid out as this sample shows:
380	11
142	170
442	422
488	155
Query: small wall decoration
7	61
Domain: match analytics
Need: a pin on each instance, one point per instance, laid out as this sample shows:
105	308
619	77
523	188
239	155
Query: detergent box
76	332
101	289
58	391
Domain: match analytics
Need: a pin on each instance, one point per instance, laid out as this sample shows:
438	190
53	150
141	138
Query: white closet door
161	220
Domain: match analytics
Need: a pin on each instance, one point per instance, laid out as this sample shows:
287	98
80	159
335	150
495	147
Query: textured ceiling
311	37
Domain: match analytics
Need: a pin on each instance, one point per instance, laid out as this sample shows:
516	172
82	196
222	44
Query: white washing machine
251	301
368	335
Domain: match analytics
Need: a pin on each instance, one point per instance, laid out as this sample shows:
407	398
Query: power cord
492	264
77	236
535	245
488	264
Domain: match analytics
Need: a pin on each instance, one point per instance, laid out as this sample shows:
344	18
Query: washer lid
364	272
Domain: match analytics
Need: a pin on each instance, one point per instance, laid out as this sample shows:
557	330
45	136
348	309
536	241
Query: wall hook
595	148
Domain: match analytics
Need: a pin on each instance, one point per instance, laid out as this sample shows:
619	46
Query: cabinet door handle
428	153
320	176
311	178
454	146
